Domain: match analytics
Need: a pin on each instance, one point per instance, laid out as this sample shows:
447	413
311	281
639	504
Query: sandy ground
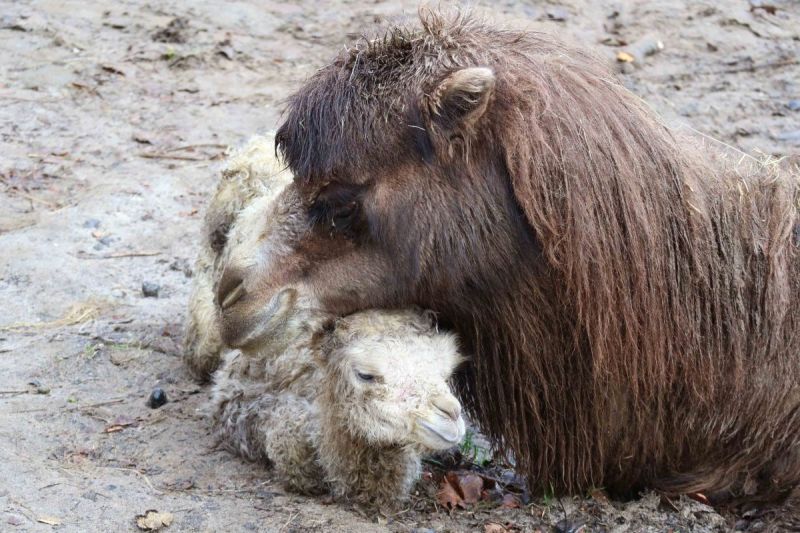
112	123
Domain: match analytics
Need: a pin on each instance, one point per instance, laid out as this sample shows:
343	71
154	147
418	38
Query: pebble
157	398
118	293
558	14
15	519
103	242
38	387
92	223
150	289
794	105
181	265
790	136
570	526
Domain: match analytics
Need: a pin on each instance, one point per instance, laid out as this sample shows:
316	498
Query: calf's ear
326	339
458	102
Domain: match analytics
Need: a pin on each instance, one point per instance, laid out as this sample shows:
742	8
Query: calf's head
387	379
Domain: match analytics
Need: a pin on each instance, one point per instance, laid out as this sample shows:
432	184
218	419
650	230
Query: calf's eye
363	376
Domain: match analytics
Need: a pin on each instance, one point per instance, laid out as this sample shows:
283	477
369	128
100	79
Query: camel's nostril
449	407
230	289
233	296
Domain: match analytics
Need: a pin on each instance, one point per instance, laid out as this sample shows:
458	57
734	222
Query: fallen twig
744	68
291	518
24	99
100	404
77	314
30	197
137	472
761	66
202	145
71	409
161	155
17	228
86	255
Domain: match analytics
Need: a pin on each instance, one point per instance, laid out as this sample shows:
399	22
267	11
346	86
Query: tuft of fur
628	294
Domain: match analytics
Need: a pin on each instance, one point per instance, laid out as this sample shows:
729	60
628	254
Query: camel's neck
359	470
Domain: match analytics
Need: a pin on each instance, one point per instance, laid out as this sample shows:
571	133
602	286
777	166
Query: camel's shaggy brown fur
630	295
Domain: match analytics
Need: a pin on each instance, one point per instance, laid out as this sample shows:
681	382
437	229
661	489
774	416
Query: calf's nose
448	405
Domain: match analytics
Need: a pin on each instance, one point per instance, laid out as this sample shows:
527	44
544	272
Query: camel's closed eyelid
368	376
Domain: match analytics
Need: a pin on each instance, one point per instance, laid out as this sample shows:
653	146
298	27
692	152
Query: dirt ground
113	119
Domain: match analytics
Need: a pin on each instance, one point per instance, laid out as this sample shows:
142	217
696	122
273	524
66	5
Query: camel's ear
459	101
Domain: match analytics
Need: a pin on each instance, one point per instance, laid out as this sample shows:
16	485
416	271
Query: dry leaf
153	520
491	527
471	487
49	520
460	489
447	496
510	502
699	497
119	423
599	495
624	57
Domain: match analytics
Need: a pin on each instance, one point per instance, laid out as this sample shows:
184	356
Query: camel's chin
439	433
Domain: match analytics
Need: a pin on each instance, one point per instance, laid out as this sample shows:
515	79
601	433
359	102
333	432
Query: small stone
741	525
570	526
92	223
38	388
157	398
558	14
150	289
118	293
8	22
103	242
15	519
794	105
790	136
181	265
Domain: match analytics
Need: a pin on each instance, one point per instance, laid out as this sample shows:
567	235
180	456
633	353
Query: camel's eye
337	210
344	216
366	378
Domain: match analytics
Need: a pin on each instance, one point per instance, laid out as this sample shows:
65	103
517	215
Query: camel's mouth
438	432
